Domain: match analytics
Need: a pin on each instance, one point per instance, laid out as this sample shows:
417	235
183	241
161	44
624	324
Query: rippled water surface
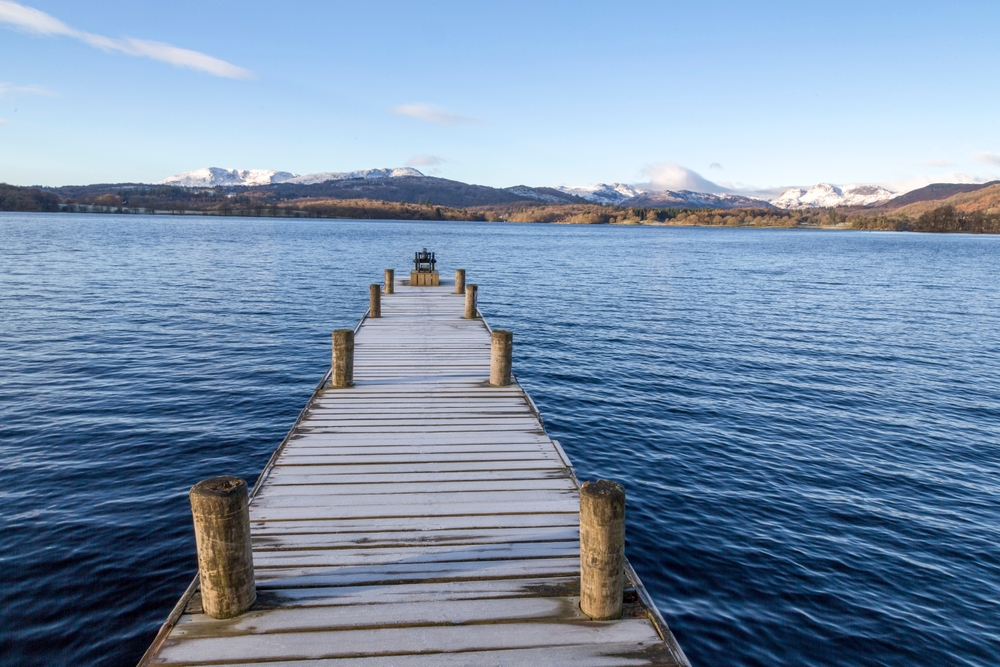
807	423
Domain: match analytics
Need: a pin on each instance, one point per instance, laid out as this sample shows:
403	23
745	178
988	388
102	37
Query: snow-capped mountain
688	199
603	193
825	195
550	195
324	176
211	177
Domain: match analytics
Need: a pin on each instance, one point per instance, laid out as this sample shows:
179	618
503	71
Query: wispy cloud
435	114
32	20
11	89
2	121
936	163
988	158
715	165
424	161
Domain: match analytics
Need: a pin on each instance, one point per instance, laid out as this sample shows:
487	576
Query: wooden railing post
470	301
390	277
501	351
342	374
602	549
225	555
375	300
459	281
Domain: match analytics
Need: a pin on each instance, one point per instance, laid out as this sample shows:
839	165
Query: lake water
807	423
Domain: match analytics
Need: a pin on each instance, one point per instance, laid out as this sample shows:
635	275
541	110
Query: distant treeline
219	201
14	198
940	220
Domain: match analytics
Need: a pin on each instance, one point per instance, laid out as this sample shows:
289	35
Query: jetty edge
418	516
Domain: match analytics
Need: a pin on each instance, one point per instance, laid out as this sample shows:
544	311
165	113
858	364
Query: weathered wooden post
470	301
375	298
602	549
390	276
501	349
459	281
343	359
225	556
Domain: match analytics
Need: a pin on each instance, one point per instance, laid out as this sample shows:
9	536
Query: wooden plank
339	617
315	495
267	513
470	466
421	553
588	655
416	525
394	488
473	589
335	449
383	574
299	475
404	640
263	542
320	457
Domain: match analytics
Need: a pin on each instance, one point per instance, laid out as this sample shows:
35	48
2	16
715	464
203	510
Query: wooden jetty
419	518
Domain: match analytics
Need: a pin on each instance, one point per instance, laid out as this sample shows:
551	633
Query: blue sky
747	95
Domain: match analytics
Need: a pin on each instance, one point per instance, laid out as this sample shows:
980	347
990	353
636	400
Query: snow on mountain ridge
211	177
826	195
603	193
323	177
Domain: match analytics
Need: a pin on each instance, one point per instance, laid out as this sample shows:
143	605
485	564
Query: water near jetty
807	423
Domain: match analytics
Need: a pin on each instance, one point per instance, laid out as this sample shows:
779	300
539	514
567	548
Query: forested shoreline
158	200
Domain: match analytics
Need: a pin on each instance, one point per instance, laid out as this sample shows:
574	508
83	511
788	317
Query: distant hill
984	199
417	190
933	192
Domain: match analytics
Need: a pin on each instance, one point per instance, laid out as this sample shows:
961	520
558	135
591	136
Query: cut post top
602	549
219	506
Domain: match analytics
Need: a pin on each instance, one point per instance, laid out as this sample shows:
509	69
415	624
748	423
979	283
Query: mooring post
390	276
501	349
225	556
470	301
602	549
459	281
343	358
375	297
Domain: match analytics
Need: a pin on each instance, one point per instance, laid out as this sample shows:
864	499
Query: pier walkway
420	518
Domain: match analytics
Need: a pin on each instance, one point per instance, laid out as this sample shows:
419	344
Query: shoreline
302	215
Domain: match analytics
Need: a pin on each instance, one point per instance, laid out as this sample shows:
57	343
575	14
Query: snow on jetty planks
420	518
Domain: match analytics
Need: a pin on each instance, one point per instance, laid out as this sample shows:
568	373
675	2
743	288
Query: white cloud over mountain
32	20
672	176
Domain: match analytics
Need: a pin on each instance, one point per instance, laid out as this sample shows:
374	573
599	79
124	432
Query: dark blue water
807	423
